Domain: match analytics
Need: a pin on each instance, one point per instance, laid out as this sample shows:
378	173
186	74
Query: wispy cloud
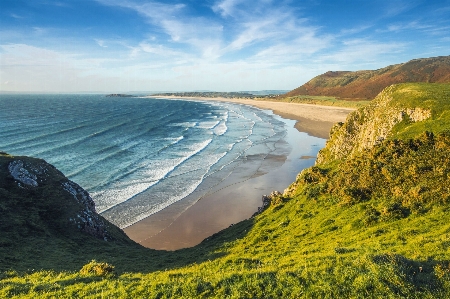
225	7
214	44
159	50
362	51
295	51
16	16
40	30
101	43
56	3
266	25
394	8
354	30
198	32
250	30
39	69
254	31
413	25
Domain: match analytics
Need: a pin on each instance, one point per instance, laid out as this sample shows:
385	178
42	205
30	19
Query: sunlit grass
322	100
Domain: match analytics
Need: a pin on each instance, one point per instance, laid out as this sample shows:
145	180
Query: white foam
180	188
163	204
108	198
208	124
148	175
220	129
183	124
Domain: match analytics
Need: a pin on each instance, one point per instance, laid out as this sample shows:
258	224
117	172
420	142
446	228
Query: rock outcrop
368	126
46	195
267	200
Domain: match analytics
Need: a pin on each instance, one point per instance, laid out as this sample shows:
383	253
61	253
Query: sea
137	155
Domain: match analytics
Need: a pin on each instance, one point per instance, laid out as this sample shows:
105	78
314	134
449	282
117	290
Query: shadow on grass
421	274
207	250
55	254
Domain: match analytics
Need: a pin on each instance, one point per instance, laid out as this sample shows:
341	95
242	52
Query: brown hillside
367	84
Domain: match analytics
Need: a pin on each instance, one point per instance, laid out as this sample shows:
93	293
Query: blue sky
219	45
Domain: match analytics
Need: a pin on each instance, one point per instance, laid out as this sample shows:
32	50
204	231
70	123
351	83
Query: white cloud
40	30
101	43
239	45
254	31
355	30
394	8
158	50
16	16
414	25
30	68
200	33
225	7
359	52
295	51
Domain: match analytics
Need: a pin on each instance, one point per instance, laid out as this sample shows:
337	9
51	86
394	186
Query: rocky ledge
40	183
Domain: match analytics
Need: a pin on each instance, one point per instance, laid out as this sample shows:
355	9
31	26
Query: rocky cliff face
370	125
368	83
33	189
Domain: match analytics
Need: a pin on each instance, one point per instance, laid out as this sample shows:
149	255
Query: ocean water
136	156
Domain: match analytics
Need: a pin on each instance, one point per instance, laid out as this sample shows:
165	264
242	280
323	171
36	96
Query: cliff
393	151
366	84
396	105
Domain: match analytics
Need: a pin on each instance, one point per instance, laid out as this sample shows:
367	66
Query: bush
96	268
371	215
394	211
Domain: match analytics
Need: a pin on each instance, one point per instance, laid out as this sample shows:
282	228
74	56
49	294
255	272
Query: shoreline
316	120
191	220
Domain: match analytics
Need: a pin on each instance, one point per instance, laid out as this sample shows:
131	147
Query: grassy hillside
371	224
365	85
319	100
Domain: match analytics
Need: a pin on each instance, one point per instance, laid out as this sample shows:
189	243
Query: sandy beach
191	220
315	120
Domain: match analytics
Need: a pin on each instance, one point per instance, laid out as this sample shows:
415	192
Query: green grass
373	226
297	248
322	100
433	97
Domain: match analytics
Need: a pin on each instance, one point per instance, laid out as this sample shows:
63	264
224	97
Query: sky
215	45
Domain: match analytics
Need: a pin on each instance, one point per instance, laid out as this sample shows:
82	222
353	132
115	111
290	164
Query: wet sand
191	220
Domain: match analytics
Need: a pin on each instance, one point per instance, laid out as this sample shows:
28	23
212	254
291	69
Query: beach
189	221
315	120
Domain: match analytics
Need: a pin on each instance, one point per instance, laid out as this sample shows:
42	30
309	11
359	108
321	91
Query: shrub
394	211
371	215
96	268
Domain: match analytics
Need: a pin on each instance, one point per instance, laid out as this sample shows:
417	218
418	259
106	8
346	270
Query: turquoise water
118	148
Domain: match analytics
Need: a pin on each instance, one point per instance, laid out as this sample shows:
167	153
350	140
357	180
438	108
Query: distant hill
206	94
367	84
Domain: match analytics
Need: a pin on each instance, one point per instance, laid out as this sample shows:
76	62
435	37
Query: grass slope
365	85
376	225
319	100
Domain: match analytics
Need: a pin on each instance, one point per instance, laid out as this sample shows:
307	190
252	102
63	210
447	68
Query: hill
365	85
369	220
41	209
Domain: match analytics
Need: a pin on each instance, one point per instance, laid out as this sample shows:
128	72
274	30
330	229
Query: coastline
315	120
191	220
